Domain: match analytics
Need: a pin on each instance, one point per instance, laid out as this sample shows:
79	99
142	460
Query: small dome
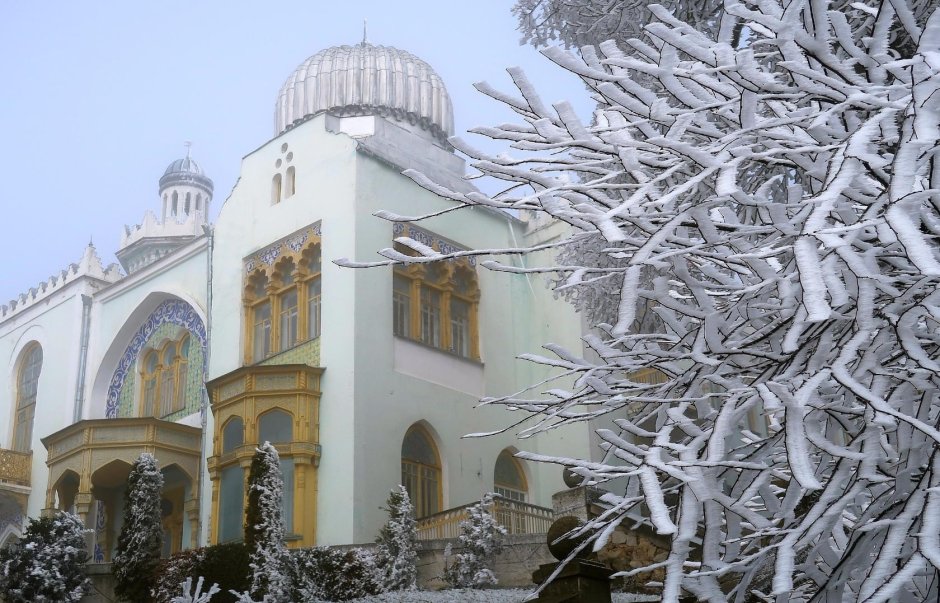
185	171
366	80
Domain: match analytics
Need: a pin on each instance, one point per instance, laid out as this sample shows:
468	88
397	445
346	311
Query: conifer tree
397	543
480	539
141	540
264	528
48	564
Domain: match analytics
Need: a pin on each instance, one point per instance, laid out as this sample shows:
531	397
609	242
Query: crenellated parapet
89	265
151	226
151	240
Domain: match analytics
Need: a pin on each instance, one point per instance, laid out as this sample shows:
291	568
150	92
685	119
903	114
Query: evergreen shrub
333	574
48	563
222	564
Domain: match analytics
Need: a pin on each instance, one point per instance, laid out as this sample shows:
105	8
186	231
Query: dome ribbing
366	80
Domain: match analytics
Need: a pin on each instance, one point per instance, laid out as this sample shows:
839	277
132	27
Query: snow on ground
513	595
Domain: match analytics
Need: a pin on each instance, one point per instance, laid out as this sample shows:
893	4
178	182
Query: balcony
15	467
517	517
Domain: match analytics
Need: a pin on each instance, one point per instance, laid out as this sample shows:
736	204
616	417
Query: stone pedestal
579	581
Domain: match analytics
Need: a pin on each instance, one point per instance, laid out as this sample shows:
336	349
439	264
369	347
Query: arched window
282	304
188	202
27	384
275	426
233	434
276	189
288	311
164	379
176	200
291	187
198	201
436	303
259	317
421	471
509	478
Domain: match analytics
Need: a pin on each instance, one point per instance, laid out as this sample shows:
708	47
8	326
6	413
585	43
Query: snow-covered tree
264	528
141	539
396	544
775	203
479	541
47	565
577	23
188	596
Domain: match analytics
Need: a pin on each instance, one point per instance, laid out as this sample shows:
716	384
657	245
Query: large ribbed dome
366	80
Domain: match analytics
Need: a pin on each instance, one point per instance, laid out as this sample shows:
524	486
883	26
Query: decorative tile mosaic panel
172	311
306	353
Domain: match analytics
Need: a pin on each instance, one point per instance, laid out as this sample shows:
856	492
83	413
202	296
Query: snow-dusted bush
141	540
333	574
188	596
772	199
396	545
222	564
264	528
479	541
47	565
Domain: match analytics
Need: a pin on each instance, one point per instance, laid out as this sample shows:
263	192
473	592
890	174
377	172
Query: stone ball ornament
571	479
560	549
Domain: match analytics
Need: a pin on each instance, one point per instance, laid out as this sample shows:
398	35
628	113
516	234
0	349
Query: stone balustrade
517	517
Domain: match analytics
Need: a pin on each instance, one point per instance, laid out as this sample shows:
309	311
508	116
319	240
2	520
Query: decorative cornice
438	243
292	243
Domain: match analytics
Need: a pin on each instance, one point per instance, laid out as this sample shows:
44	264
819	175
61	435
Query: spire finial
189	145
365	38
91	241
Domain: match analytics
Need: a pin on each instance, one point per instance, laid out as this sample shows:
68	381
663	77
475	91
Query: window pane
416	447
262	331
401	306
150	392
431	316
167	389
275	426
233	435
507	472
313	308
287	498
231	504
288	324
169	355
459	327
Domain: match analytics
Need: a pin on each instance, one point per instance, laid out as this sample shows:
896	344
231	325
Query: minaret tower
185	191
185	195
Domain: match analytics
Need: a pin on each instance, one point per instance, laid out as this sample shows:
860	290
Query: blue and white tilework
173	311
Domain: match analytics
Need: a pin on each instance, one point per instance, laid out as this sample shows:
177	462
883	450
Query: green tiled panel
194	376
306	353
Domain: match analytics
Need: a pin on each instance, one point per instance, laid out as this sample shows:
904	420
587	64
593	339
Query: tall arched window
509	478
275	426
276	189
291	187
176	201
421	471
188	205
27	384
233	434
164	380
